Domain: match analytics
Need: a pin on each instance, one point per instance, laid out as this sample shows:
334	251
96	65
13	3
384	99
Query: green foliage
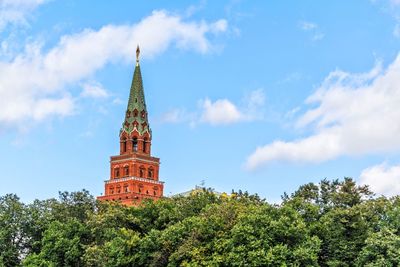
333	223
382	249
12	217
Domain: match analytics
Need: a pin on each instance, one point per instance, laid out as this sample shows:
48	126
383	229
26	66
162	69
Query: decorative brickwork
134	172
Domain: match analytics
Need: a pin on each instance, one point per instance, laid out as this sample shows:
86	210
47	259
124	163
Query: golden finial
137	55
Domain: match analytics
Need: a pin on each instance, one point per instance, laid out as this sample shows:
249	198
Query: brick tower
134	172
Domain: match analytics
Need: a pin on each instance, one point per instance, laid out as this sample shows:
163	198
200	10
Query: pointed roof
136	112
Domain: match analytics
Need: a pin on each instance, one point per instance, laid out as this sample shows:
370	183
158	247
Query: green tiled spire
136	112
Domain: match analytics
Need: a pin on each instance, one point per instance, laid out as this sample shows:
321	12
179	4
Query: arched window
116	172
150	173
126	170
141	172
144	145
111	190
134	144
126	188
124	145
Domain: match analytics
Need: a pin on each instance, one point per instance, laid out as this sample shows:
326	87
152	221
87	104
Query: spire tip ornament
137	55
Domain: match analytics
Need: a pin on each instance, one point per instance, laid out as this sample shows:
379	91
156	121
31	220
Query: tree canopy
332	223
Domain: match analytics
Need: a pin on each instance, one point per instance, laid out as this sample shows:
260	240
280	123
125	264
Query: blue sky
262	96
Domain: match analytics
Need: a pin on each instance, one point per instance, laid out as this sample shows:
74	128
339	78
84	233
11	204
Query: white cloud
94	90
382	179
352	114
221	111
45	107
35	75
17	11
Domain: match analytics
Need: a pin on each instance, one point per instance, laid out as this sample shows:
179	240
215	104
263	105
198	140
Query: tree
381	249
12	237
333	223
62	245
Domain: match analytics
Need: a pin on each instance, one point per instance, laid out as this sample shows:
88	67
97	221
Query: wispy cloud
94	89
195	8
176	115
17	12
34	85
313	29
391	8
307	26
318	36
351	114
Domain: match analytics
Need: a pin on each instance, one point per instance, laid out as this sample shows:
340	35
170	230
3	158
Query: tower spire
136	112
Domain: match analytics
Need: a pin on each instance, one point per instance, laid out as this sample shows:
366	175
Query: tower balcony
133	178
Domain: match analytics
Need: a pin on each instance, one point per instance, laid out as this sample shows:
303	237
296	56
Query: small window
124	146
126	170
144	145
116	172
126	189
150	173
154	192
134	144
141	172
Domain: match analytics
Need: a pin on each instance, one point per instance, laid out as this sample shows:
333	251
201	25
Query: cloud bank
350	114
34	84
